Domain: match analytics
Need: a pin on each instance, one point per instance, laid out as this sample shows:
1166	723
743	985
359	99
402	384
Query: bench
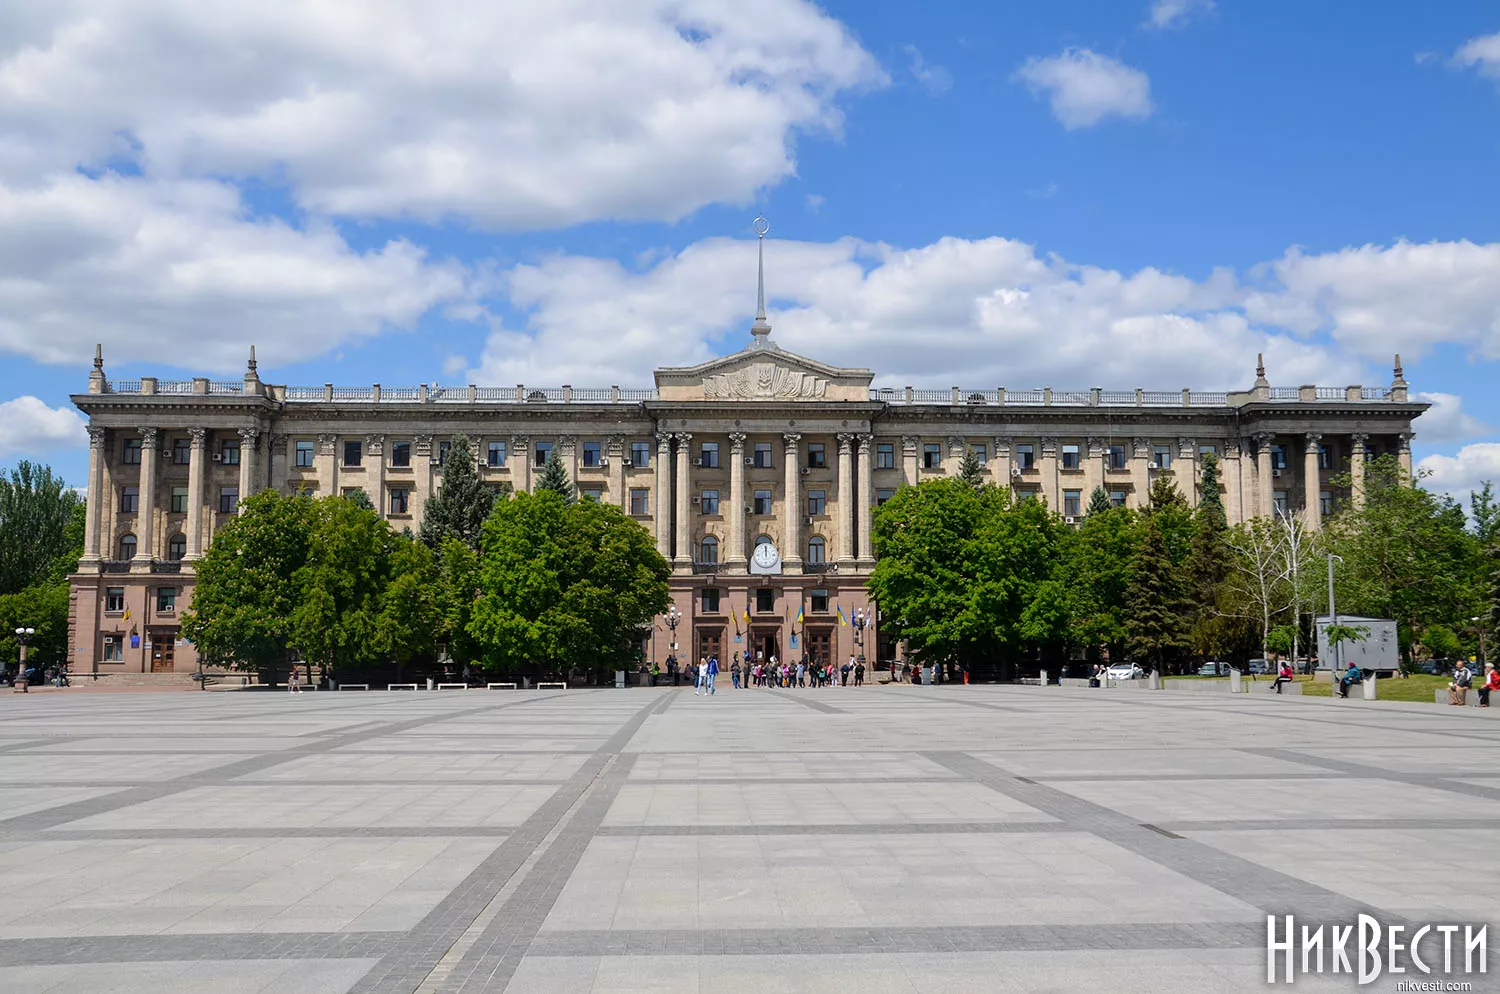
1440	696
551	686
1293	688
499	686
400	686
354	686
452	686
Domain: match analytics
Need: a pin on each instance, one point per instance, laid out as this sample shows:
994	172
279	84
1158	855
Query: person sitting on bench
1491	682
1351	676
1463	679
1284	675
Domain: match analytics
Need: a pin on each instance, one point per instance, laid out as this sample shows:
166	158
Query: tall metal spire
761	329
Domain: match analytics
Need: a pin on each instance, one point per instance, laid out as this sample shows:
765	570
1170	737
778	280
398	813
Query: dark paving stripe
1260	887
151	834
893	828
1341	766
807	702
1334	825
167	948
912	939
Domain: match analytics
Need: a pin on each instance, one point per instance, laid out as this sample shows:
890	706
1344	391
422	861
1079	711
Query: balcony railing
826	567
707	568
166	566
115	566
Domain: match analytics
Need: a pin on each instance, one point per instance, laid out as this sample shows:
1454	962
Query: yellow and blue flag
843	621
799	615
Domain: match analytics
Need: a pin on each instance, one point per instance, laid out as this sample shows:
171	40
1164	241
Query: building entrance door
710	643
767	643
163	644
819	646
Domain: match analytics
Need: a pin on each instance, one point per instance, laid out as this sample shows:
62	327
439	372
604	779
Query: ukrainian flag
747	614
843	621
799	615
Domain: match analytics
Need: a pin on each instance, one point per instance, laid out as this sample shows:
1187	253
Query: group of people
1463	681
773	672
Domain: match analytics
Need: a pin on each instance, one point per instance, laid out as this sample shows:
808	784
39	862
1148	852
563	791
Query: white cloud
1467	470
814	202
1168	14
1482	53
505	115
175	272
956	312
1085	87
28	427
1446	421
933	79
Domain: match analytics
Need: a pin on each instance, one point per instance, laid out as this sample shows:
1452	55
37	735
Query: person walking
1463	679
734	671
859	674
293	686
1491	682
713	673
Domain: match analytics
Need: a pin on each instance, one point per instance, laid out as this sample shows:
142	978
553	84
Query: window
1161	456
639	501
353	453
1325	503
1072	503
708	550
400	500
443	448
711	600
817	502
1116	457
640	454
304	454
817	550
817	457
762	540
932	456
166	600
229	499
348	492
885	455
130	499
762	502
708	455
176	547
1117	498
1025	456
132	454
595	494
543	453
762	455
400	454
708	501
114	599
592	454
114	649
182	451
765	600
127	546
1070	457
818	601
1325	457
496	456
1278	457
881	496
1278	498
179	500
1208	450
981	453
305	488
229	452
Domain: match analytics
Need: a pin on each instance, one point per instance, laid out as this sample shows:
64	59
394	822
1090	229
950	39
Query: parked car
1125	671
1214	668
1260	667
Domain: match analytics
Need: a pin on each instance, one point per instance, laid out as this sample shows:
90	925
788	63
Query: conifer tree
970	470
555	478
1154	617
1099	501
1208	563
462	501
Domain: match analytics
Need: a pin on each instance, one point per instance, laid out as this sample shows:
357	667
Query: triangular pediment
763	372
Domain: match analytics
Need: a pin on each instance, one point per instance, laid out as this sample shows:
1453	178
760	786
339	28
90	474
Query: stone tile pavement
925	840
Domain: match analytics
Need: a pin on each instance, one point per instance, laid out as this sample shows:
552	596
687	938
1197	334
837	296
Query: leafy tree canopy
41	527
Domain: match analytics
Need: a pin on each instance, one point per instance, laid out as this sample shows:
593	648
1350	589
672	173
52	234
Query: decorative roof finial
1399	373
761	329
99	356
252	358
1260	365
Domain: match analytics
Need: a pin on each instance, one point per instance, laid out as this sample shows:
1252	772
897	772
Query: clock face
766	555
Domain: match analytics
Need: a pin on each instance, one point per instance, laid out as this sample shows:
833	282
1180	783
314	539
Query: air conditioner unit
812	521
435	461
627	462
696	500
749	461
604	462
1275	472
1015	471
218	457
1070	520
805	470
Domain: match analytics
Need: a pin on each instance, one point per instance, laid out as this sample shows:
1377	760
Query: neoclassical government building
756	472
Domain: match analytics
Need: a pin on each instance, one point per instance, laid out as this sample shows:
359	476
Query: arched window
815	550
176	547
708	550
127	546
763	540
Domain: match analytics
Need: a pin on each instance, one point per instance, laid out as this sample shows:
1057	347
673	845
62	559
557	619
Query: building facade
757	473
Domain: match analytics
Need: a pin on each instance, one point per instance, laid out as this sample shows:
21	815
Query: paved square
915	840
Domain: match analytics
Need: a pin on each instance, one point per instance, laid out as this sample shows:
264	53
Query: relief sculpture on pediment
764	381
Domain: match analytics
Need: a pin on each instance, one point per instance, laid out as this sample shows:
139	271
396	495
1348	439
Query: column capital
909	443
567	444
1049	445
663	440
424	445
1359	438
374	444
1187	448
1232	448
1002	445
1096	447
615	444
846	442
1405	438
683	437
98	434
277	444
956	445
865	441
1140	447
326	444
737	442
198	436
149	437
1263	439
249	437
1312	443
791	438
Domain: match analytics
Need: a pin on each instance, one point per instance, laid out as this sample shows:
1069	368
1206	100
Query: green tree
1281	640
43	606
1485	509
1173	517
563	585
247	588
359	498
1096	566
1155	616
37	522
1099	501
1208	566
462	502
555	478
970	470
456	587
1441	642
340	582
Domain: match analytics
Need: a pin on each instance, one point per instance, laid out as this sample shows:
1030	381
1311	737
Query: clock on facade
765	559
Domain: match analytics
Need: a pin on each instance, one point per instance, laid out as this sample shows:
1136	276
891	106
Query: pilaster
1265	501
1187	469
1140	471
98	438
736	560
661	500
1357	443
846	513
866	500
197	474
1312	510
145	512
682	490
792	556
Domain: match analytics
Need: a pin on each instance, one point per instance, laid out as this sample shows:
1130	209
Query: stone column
326	467
736	560
248	438
1265	504
1357	443
375	473
866	499
846	515
520	460
1048	467
1231	482
661	507
954	456
1002	460
567	453
1187	469
683	492
1312	512
145	514
93	519
1403	453
794	511
1140	471
276	453
1093	468
614	447
909	446
197	471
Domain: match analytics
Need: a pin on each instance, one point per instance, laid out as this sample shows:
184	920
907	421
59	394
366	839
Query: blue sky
1069	193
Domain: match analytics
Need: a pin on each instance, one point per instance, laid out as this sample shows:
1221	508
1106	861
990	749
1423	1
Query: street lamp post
1333	616
24	636
860	620
673	618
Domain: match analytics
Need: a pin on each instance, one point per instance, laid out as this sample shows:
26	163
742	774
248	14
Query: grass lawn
1418	687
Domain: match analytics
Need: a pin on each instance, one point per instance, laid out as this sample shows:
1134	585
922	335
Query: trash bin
620	679
430	683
